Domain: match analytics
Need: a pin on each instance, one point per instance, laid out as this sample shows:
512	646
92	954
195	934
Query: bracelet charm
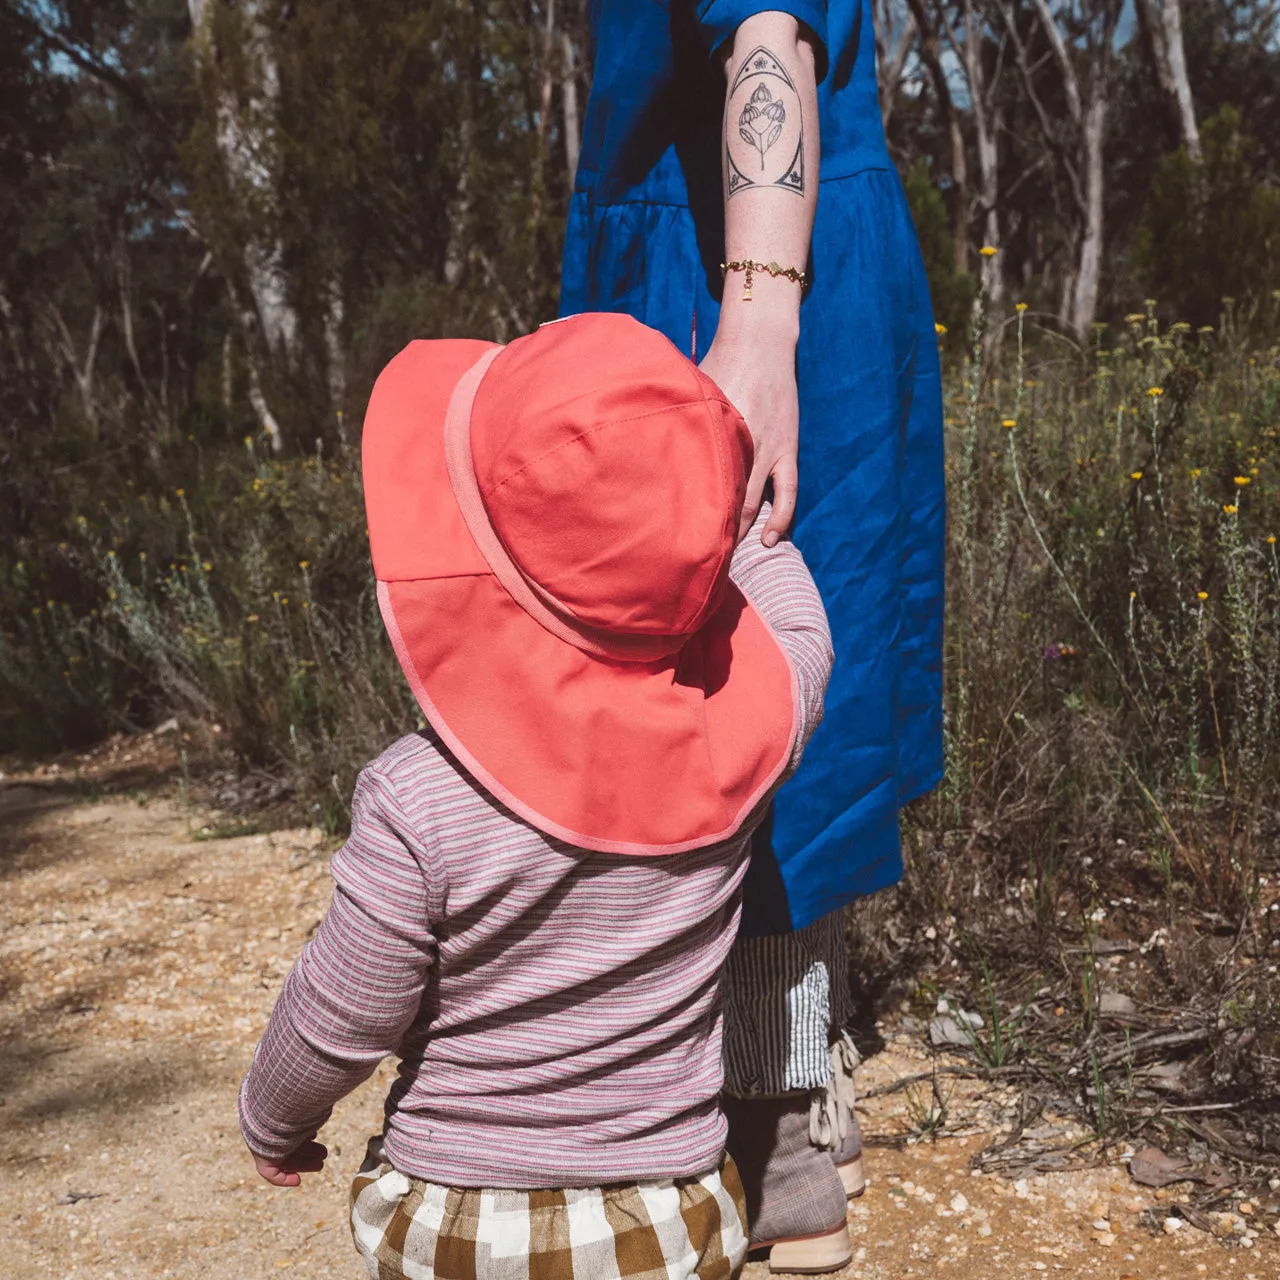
749	268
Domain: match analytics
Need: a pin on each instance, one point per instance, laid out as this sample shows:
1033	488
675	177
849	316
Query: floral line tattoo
761	121
764	106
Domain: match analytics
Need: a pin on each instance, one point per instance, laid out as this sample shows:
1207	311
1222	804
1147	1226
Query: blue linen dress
645	236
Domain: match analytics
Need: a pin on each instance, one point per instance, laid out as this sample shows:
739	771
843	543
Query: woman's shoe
810	1255
795	1197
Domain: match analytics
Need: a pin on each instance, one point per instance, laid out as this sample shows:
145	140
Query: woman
746	134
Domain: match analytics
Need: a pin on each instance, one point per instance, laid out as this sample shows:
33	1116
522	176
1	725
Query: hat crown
614	473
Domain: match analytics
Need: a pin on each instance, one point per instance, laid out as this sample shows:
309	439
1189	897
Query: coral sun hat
551	525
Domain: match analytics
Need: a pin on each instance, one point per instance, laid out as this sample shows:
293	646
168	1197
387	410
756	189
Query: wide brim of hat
625	758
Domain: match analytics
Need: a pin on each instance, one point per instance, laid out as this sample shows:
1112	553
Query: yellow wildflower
1271	538
1202	595
1241	481
180	492
939	329
304	564
284	599
1155	391
1009	423
1195	473
1021	306
1135	317
1135	475
206	565
1133	595
253	617
988	251
1230	509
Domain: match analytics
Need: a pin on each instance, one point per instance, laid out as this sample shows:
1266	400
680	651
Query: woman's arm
770	173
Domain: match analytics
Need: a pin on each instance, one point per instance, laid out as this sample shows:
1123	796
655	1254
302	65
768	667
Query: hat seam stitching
582	435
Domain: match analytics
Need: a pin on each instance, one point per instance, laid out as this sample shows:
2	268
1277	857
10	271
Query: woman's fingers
786	484
755	495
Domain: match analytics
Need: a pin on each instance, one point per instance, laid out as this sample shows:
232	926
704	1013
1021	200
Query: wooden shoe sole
810	1255
851	1175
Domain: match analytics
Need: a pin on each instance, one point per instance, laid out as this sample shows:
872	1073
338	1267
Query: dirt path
138	963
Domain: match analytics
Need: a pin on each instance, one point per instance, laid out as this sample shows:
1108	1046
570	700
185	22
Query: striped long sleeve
776	580
358	985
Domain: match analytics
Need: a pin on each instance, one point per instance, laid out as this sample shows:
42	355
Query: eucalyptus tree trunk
467	62
1087	112
985	125
931	55
1084	300
242	108
1161	22
893	48
569	105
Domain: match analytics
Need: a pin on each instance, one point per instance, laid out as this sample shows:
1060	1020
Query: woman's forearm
769	155
770	172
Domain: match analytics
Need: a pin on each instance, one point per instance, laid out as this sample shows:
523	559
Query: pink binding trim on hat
531	815
534	599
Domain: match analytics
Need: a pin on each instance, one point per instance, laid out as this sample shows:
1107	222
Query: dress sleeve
357	986
777	581
719	19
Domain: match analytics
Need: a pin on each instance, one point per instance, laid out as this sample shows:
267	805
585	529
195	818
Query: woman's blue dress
646	236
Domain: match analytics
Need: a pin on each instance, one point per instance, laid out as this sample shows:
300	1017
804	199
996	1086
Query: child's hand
308	1158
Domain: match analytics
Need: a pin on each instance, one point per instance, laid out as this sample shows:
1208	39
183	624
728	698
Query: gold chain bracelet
791	273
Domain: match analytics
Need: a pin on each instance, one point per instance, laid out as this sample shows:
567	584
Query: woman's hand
308	1158
757	372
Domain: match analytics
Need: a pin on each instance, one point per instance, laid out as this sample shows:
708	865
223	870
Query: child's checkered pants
407	1229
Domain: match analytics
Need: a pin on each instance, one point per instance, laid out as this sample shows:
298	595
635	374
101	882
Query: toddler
541	887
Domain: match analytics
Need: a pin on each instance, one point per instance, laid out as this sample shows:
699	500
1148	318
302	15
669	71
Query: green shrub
247	602
1211	229
953	291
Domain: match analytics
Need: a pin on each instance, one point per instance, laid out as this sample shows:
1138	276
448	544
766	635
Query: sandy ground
138	964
